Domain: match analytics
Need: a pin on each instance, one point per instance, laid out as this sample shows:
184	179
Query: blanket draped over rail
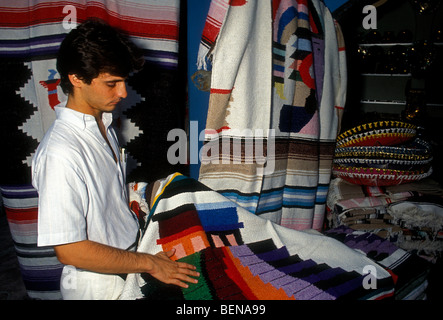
278	87
242	256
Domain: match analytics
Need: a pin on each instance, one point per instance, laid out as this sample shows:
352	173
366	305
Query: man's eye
111	84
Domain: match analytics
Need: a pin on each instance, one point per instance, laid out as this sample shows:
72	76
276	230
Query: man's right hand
172	272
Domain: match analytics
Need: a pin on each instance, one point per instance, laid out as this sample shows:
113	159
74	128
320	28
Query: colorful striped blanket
242	256
34	29
39	267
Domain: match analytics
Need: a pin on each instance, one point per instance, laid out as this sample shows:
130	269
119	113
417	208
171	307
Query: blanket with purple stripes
242	256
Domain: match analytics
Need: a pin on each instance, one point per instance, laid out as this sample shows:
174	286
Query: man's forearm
96	257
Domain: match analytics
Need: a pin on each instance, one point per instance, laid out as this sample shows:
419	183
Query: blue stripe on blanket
275	199
217	220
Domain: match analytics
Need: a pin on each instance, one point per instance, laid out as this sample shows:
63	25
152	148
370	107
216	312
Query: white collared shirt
82	190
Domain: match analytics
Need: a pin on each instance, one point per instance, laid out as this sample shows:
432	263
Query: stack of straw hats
382	153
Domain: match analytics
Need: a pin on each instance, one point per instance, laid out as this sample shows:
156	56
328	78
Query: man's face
103	94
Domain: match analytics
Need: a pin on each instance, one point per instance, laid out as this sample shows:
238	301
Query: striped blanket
410	215
39	266
36	28
277	94
409	270
242	256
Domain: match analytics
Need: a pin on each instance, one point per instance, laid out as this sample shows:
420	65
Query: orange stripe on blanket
236	276
252	286
185	243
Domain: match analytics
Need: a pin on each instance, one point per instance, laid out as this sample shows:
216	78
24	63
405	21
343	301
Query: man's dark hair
95	47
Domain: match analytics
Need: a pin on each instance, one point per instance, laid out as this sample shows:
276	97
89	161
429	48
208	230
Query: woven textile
242	256
39	266
30	34
276	99
410	215
34	28
409	271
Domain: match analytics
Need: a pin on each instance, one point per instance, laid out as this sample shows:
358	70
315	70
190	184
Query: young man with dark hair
83	204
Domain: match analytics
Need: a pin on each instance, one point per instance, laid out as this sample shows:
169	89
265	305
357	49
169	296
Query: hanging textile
278	89
30	34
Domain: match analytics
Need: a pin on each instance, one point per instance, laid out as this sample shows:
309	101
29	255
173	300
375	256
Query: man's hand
172	272
96	257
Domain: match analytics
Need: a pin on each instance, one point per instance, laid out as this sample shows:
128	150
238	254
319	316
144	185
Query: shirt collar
80	119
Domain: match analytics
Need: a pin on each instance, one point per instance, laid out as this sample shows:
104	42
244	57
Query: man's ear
76	82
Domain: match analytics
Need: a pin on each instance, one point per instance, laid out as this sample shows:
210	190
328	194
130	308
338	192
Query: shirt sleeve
62	200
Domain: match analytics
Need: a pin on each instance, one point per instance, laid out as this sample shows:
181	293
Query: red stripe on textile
275	6
21	214
312	23
225	288
213	131
211	32
305	68
157	29
386	295
180	235
178	223
393	275
237	3
221	91
232	272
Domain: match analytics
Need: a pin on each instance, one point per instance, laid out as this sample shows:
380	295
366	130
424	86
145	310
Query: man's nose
122	93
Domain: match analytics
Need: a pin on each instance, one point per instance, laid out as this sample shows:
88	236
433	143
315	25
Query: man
83	205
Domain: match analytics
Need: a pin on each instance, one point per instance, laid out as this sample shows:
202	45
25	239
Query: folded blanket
409	215
242	256
409	271
423	226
